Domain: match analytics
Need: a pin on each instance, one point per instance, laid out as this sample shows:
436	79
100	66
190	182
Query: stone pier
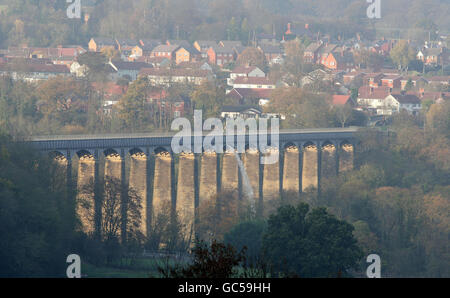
86	200
271	186
162	190
310	167
251	164
291	171
138	184
208	177
328	166
185	205
346	158
230	172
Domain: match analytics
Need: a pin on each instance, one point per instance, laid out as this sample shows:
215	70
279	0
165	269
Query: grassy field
140	268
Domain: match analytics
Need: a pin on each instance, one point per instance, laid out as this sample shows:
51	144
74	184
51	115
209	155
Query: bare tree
120	209
343	113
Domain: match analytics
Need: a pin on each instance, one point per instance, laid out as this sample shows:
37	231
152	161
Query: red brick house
311	54
221	55
339	60
96	44
271	52
203	46
165	51
373	79
391	81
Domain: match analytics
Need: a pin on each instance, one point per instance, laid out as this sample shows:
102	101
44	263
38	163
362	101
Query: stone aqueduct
186	180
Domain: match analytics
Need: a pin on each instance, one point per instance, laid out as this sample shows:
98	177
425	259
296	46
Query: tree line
46	24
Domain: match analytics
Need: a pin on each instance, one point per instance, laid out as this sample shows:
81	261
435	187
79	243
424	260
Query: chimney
288	29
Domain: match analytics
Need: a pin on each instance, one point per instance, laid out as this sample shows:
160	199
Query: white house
253	83
127	69
245	71
240	111
78	70
34	72
394	103
167	76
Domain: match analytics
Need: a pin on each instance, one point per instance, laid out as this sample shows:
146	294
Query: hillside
45	24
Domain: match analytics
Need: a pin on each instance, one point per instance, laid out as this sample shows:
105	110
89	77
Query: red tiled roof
391	77
340	99
182	72
250	93
243	69
110	88
373	75
373	93
34	67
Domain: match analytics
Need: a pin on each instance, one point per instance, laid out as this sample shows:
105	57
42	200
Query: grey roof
328	49
130	65
270	49
165	48
313	47
407	98
150	41
207	43
185	45
105	41
238	109
231	43
223	50
127	42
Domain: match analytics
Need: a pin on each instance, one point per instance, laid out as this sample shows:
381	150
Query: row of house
217	53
